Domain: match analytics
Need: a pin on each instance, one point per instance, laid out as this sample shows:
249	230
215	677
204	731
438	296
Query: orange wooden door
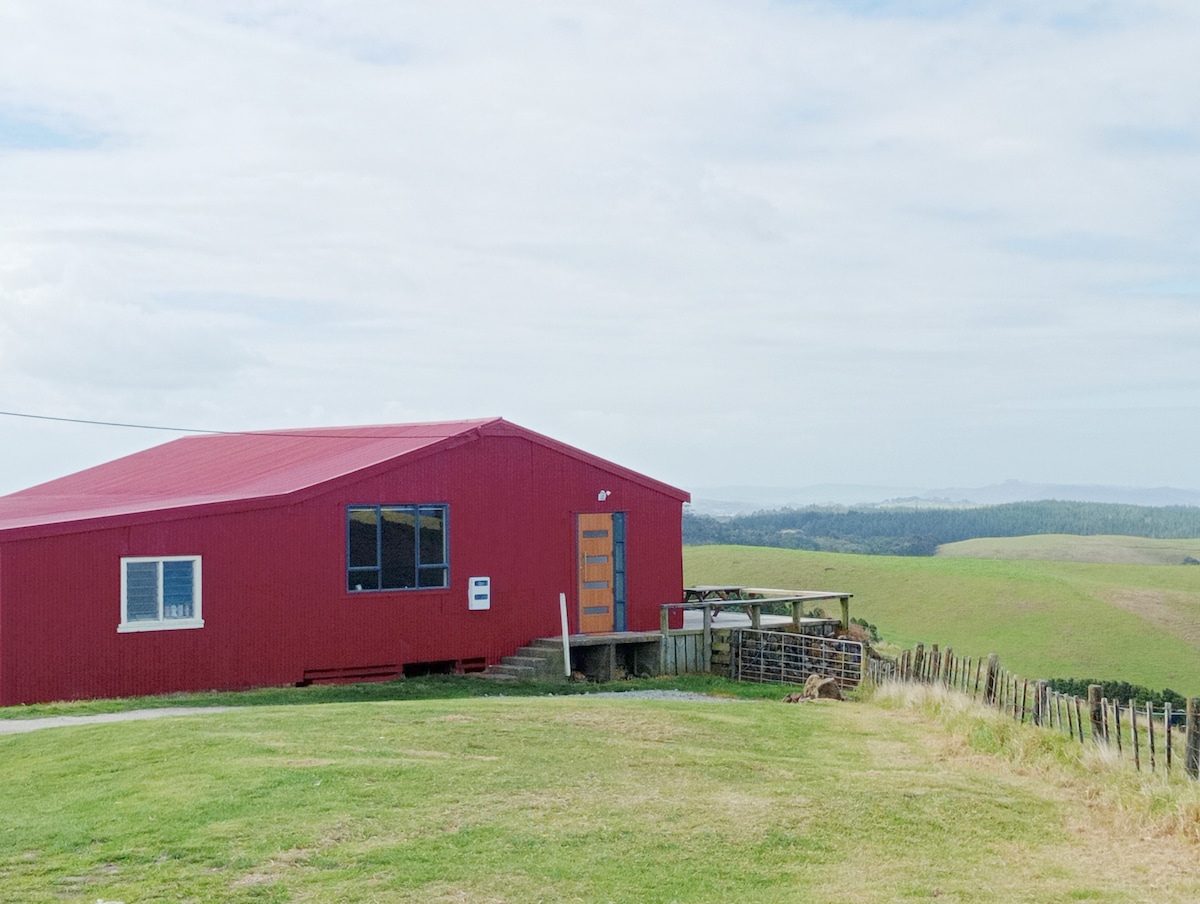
595	541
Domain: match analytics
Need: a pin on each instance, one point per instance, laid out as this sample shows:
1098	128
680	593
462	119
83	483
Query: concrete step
537	663
492	676
512	671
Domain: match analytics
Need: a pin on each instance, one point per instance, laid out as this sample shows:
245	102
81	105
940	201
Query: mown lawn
562	799
1136	623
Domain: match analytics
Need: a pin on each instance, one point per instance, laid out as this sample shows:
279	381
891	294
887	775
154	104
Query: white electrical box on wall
479	593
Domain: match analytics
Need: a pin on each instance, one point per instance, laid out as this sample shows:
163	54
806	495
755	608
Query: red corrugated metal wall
274	584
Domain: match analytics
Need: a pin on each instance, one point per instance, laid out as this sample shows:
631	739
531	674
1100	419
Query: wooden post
1097	714
1070	720
664	625
1079	717
797	614
706	654
948	669
1150	732
755	616
845	601
1191	758
1039	702
1116	721
918	662
1133	728
978	669
989	684
1167	720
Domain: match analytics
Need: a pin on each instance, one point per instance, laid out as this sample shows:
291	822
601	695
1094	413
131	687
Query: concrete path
22	726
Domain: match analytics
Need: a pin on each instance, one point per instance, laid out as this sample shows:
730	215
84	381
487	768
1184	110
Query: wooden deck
699	642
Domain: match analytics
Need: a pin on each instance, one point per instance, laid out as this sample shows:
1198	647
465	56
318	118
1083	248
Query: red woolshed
243	560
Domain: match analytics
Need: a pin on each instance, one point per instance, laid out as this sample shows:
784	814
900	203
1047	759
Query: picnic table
704	592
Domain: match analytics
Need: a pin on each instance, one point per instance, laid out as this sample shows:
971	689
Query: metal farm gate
778	657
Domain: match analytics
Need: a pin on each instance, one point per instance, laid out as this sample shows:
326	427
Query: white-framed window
160	593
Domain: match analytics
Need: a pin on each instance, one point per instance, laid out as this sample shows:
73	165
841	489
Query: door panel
595	543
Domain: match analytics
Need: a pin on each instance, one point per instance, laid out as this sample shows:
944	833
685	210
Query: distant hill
726	501
918	530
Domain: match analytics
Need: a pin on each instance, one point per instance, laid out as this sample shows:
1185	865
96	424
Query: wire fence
1154	736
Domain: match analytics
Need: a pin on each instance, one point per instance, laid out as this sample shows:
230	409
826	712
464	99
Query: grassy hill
583	799
1112	550
1136	623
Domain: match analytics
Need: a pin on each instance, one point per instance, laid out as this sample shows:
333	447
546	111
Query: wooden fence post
1040	701
1168	718
989	682
918	665
1133	730
1150	733
1191	759
1097	714
1116	721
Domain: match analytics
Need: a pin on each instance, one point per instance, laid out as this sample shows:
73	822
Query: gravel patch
686	696
23	726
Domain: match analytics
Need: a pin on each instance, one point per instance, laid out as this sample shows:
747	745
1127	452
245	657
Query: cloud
43	131
618	223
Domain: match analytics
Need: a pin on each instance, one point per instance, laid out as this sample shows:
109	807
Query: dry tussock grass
1171	611
1118	800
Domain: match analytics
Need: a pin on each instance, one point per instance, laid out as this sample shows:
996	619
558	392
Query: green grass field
1046	619
579	799
1111	550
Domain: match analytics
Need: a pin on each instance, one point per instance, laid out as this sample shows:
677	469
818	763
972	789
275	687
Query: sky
892	242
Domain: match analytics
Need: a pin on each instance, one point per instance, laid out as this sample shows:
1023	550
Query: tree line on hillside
919	531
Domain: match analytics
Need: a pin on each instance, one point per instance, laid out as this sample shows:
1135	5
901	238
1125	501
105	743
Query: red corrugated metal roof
241	467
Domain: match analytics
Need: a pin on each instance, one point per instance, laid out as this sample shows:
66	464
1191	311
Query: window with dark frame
396	547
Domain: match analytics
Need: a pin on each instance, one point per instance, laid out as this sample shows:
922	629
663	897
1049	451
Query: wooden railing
705	648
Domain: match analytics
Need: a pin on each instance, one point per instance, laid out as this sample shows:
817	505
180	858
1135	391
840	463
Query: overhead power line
77	420
197	430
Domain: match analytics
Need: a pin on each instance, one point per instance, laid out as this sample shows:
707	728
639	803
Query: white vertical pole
562	610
